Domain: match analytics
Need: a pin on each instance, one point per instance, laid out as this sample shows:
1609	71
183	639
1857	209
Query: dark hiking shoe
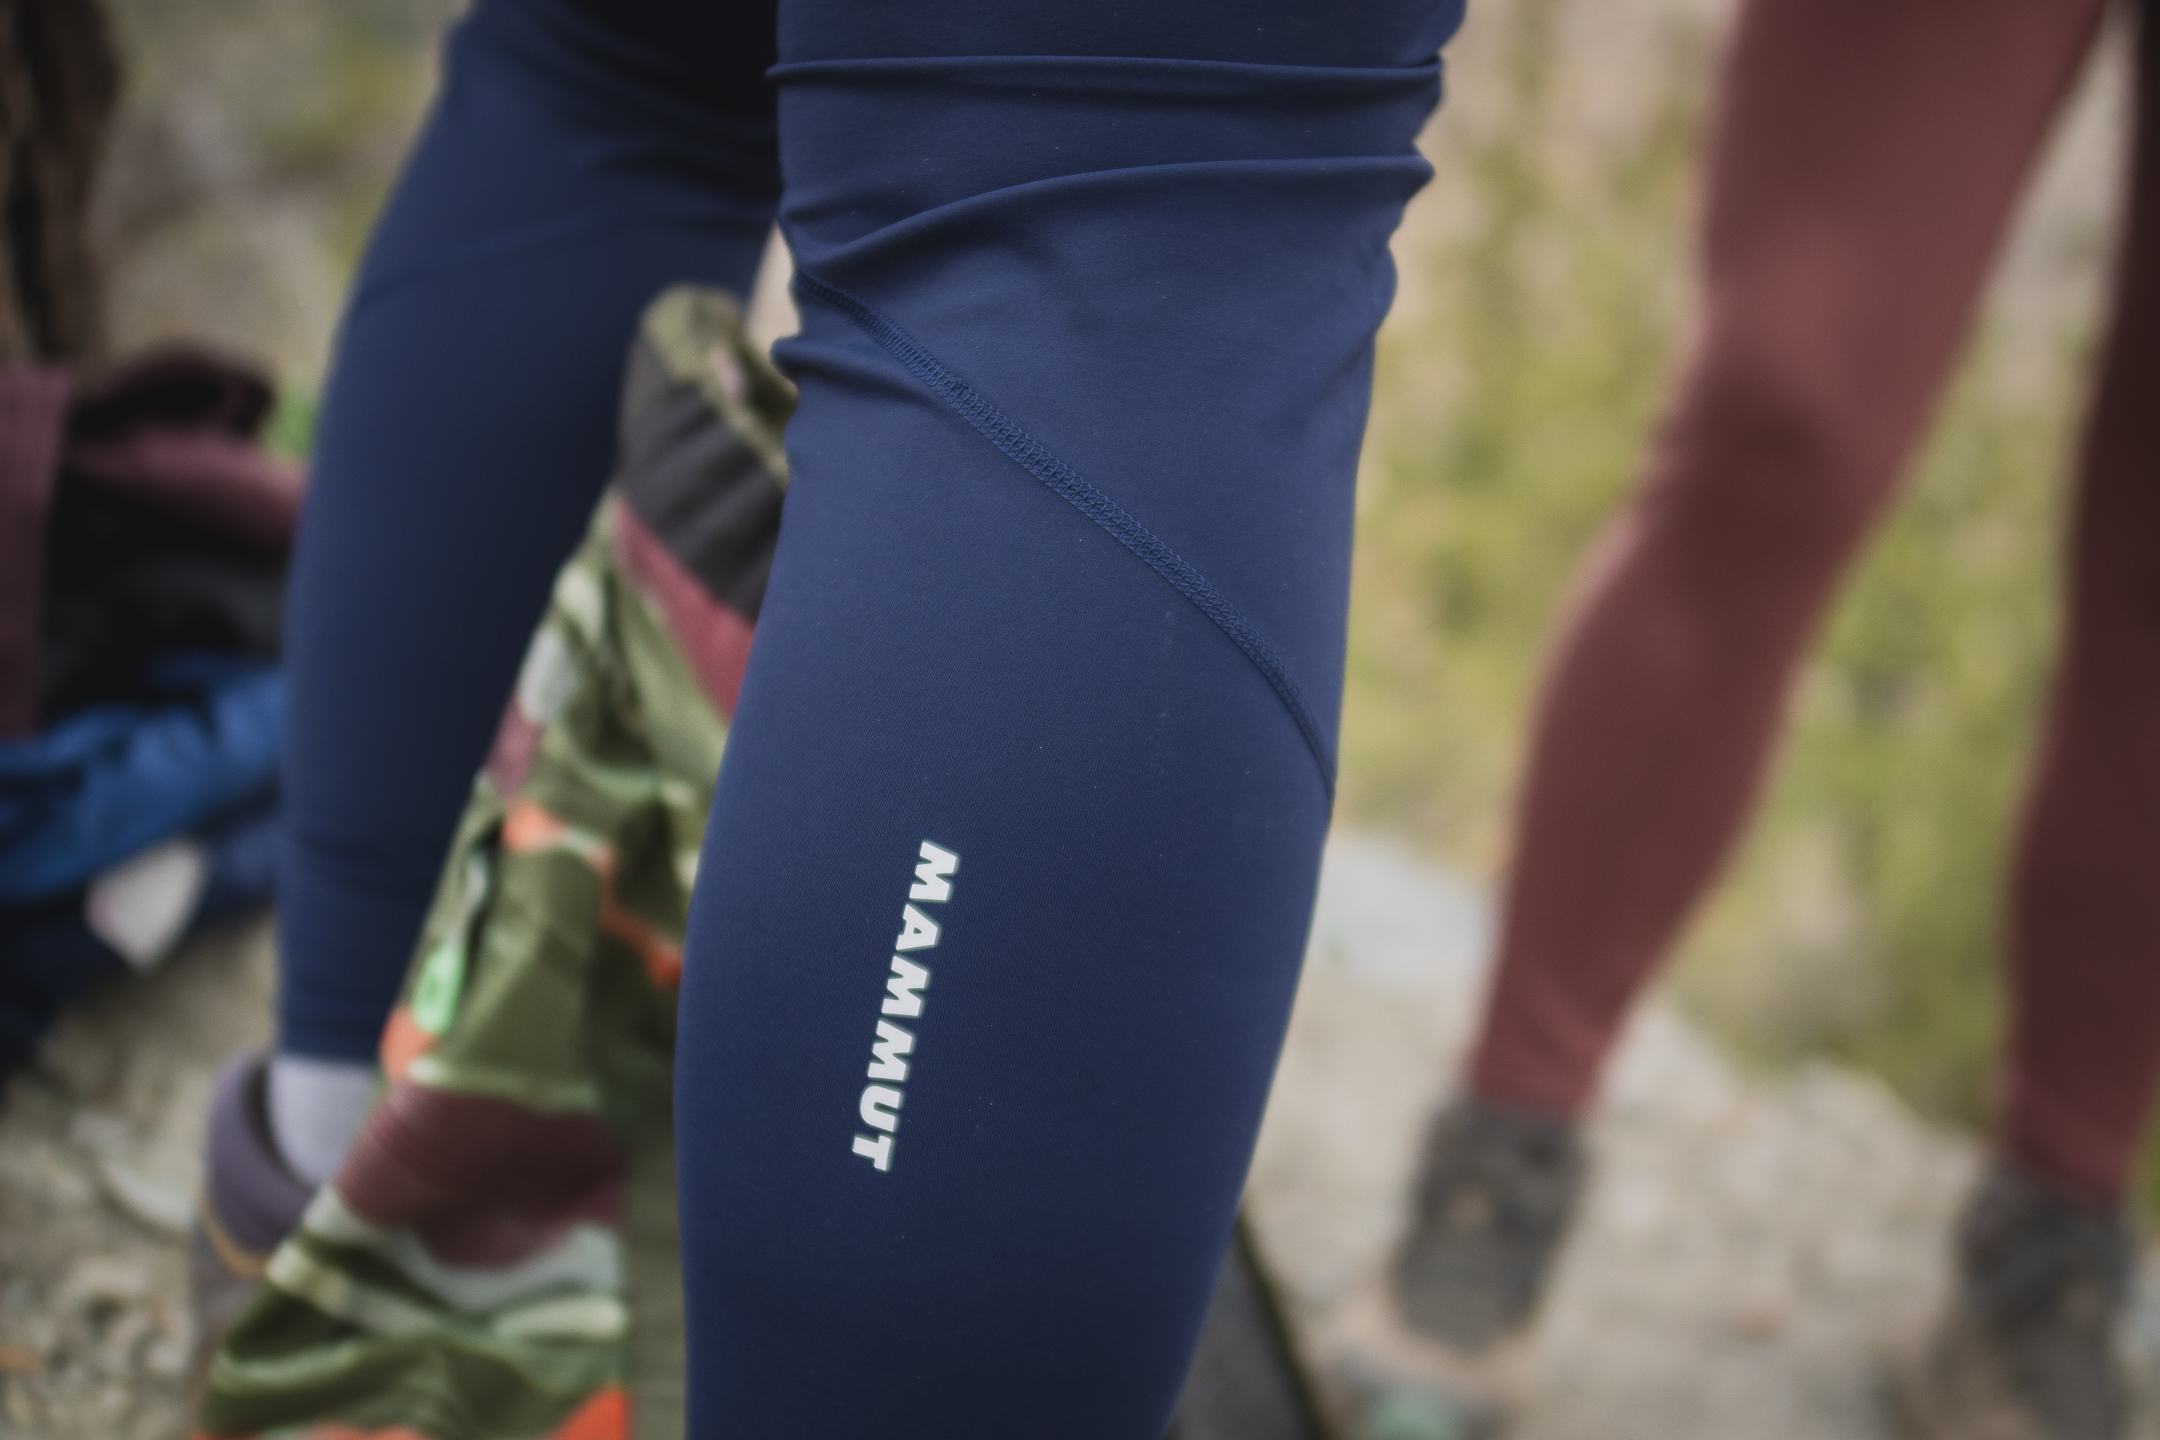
2025	1350
1494	1197
250	1201
1434	1352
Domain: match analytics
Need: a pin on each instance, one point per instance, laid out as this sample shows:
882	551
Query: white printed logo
889	1052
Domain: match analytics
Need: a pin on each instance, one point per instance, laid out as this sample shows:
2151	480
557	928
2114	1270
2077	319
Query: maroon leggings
1865	158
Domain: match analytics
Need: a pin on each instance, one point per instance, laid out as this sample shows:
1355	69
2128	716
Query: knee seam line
1065	482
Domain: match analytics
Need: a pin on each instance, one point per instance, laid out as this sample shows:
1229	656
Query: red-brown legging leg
2085	896
1864	157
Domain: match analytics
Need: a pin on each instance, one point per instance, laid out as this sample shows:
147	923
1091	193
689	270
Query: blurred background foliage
255	142
1543	296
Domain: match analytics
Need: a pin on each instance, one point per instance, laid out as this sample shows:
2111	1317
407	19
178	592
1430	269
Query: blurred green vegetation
1515	383
291	428
1514	394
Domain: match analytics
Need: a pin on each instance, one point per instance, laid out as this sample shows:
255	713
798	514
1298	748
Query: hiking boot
2025	1350
1493	1201
1433	1353
250	1202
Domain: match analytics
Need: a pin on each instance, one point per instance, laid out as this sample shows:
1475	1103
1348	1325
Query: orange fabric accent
529	826
403	1041
606	1416
662	957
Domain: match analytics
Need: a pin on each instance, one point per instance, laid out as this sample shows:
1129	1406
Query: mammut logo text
880	1103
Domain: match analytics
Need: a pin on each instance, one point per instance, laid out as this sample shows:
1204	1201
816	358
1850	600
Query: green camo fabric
498	1258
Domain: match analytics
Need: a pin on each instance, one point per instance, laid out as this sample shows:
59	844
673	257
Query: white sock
316	1107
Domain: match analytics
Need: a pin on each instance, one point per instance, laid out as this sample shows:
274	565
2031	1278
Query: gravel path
1750	1247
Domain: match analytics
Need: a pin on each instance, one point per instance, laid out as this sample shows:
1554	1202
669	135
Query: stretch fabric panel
581	158
1011	860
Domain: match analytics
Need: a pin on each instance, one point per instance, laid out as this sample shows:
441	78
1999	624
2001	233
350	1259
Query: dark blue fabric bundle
50	956
110	781
195	758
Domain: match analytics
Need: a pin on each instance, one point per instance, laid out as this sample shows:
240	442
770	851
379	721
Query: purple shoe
250	1201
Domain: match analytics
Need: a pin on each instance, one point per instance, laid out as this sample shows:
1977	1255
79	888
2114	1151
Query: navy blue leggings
572	169
1012	859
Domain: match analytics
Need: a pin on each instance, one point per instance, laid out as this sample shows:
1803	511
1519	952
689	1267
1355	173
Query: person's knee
1766	461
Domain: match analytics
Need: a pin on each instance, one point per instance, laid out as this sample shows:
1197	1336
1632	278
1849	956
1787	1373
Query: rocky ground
1751	1248
99	1147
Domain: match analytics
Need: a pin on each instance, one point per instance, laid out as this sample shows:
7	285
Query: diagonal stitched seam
1023	449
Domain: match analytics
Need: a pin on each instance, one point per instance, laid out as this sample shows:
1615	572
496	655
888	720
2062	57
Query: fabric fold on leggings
1012	856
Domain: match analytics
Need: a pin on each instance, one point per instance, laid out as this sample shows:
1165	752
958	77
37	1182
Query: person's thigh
1012	858
581	158
1867	155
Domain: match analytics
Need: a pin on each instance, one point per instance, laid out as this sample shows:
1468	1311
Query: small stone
21	1409
128	1334
37	1167
20	1360
163	1208
167	1356
76	1062
103	1280
100	1132
1414	1415
1761	1319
